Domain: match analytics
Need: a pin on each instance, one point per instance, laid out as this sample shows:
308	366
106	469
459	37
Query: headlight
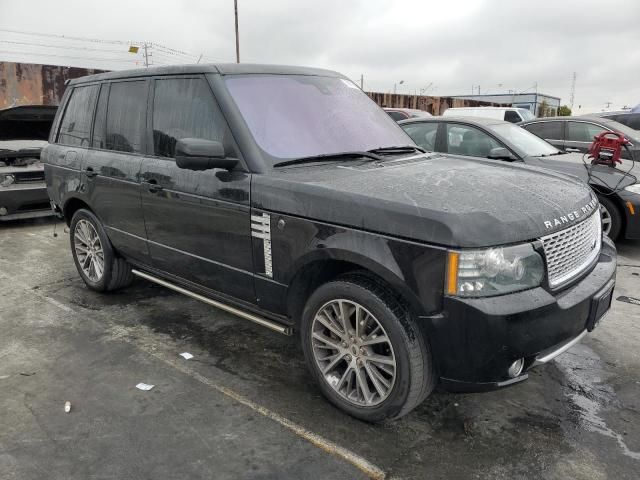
493	271
6	179
635	188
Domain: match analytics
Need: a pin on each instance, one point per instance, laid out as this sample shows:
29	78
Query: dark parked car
286	196
403	113
631	120
618	188
23	132
575	134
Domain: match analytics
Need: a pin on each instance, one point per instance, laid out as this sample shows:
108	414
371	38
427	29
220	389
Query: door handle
90	172
152	185
571	149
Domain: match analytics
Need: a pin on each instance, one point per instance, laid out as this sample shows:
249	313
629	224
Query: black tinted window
397	116
101	117
75	127
582	132
423	134
126	113
548	130
184	108
512	116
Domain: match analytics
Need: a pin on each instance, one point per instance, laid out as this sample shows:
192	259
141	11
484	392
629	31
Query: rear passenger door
551	131
579	135
197	222
112	174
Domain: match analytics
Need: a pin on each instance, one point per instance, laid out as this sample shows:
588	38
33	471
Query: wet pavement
244	407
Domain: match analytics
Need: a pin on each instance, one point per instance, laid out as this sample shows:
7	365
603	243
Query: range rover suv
286	196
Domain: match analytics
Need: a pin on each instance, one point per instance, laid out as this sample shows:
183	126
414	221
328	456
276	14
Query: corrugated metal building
35	84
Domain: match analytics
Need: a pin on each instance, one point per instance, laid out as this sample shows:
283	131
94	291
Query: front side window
126	114
512	116
184	108
75	128
423	134
546	130
294	116
466	140
583	132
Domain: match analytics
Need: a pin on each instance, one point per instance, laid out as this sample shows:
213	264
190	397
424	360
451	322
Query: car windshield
295	116
526	114
526	142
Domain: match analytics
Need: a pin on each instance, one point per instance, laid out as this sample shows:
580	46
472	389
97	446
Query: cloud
500	45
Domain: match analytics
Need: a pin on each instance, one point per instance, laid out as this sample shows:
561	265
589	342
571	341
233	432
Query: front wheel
97	263
611	217
365	351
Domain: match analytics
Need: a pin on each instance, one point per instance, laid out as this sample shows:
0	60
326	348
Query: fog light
3	211
516	368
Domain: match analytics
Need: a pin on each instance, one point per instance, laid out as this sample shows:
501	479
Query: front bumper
474	341
631	209
26	200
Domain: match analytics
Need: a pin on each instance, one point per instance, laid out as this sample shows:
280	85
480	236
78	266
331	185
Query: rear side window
75	128
547	130
512	116
184	108
583	132
126	114
101	118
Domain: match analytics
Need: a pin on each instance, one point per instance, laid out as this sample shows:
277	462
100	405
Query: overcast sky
450	46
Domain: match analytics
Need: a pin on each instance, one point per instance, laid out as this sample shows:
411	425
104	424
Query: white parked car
509	114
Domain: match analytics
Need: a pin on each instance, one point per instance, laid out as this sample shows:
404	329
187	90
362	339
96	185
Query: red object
607	147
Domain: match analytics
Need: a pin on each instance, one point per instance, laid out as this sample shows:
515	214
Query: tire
413	377
115	272
609	209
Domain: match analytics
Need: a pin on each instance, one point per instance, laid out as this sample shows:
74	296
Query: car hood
622	175
447	200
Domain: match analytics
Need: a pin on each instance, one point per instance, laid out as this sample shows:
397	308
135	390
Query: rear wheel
611	217
364	350
97	263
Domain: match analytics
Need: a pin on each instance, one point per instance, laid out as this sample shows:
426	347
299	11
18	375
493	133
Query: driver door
197	222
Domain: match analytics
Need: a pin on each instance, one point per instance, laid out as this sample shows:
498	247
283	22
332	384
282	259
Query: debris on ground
144	386
186	355
67	407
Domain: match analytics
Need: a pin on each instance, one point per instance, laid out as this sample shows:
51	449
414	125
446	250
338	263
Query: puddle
589	393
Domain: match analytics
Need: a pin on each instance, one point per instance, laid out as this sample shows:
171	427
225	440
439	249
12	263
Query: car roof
628	131
220	68
480	121
486	108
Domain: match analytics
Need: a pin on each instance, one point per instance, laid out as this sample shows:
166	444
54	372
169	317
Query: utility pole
199	58
146	56
235	5
572	95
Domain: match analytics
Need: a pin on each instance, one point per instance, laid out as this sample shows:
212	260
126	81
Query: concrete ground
243	407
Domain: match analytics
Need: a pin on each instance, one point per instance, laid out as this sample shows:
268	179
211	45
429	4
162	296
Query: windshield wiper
398	149
330	156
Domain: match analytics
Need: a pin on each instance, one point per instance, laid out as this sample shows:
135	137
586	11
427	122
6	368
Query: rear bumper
24	201
631	211
475	341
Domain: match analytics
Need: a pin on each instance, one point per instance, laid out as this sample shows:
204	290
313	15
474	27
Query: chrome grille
570	251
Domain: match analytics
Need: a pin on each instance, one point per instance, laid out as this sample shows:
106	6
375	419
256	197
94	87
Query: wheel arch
71	206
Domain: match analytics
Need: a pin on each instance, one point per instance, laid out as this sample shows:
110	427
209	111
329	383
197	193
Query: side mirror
500	153
200	154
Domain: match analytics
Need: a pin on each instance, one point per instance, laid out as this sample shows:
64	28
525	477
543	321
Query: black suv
286	196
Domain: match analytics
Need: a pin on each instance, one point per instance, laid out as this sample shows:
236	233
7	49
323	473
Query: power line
71	47
66	37
46	54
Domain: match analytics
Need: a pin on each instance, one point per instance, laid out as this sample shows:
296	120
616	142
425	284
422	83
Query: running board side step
227	308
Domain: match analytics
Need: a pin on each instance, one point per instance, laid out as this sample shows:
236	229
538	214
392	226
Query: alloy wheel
353	352
606	220
89	250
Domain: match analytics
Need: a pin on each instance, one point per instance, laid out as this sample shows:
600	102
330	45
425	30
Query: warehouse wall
34	84
433	105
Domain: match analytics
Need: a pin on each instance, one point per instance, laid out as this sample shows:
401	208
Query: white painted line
371	470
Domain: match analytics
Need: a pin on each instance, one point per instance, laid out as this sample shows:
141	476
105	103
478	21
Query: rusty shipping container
35	84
